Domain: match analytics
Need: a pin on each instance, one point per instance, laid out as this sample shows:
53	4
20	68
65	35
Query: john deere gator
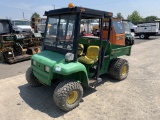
72	61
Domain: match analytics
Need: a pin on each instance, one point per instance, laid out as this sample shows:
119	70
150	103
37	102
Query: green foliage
119	15
151	18
35	15
135	17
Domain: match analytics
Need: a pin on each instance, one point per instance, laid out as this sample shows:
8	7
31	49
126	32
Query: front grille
40	66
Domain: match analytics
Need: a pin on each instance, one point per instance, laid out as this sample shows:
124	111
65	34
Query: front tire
67	95
119	69
31	79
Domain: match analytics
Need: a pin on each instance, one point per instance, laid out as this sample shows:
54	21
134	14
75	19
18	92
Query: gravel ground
138	40
136	98
13	69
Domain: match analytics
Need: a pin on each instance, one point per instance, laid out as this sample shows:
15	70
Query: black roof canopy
5	20
125	20
82	10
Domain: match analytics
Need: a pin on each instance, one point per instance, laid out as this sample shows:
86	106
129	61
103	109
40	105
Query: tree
119	15
135	17
151	18
35	15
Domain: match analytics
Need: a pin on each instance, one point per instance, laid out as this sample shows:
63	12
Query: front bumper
42	76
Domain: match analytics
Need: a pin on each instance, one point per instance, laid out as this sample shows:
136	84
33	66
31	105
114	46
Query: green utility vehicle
129	36
71	61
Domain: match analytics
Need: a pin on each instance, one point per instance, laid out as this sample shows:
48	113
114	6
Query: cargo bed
119	50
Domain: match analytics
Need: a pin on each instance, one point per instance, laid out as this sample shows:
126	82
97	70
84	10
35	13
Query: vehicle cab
129	36
21	26
61	51
117	31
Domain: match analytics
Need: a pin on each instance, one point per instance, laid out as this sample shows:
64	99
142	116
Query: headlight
19	29
46	68
57	68
34	62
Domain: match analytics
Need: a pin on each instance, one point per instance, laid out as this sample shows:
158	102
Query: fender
68	69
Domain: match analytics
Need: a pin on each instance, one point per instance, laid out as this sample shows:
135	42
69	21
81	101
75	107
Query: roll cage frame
82	13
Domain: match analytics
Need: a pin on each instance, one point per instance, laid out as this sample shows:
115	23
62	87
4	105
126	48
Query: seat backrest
92	52
80	49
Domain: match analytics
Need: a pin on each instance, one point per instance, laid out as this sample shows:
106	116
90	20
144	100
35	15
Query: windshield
43	21
118	26
131	24
126	27
18	22
61	32
89	27
4	27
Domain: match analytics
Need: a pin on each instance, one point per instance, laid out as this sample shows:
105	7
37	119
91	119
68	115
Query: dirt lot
137	40
136	98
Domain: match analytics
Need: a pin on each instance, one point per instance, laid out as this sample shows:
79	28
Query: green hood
48	58
58	67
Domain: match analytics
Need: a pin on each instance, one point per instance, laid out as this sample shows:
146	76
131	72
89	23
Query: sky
14	9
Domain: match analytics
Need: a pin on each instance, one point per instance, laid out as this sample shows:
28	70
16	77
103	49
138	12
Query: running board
95	82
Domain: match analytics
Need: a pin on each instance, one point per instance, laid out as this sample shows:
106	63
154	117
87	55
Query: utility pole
53	7
23	15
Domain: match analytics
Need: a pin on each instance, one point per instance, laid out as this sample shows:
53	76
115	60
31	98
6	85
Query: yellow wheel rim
124	70
72	97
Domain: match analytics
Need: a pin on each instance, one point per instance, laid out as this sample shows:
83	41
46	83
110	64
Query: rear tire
68	94
119	69
31	79
142	36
